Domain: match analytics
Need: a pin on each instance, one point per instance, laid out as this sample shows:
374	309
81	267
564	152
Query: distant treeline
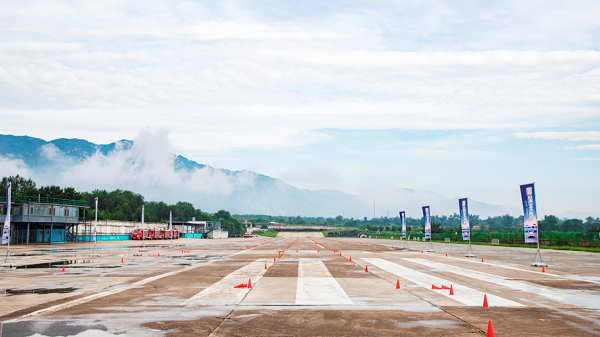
122	205
440	224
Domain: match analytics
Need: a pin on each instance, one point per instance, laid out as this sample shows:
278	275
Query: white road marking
576	298
462	294
86	299
224	293
316	285
525	270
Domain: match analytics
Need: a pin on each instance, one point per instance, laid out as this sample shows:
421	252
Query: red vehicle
174	233
136	234
151	234
154	234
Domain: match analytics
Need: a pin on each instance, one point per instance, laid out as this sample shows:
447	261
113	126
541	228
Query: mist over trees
127	206
439	224
121	205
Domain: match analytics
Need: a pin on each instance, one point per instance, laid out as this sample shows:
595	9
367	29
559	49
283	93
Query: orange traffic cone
249	283
350	258
490	332
366	269
397	284
446	254
296	250
543	269
265	266
485	303
274	260
158	254
421	252
451	290
317	250
121	260
482	259
63	268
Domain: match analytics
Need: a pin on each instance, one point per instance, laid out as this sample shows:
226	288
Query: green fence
571	239
46	200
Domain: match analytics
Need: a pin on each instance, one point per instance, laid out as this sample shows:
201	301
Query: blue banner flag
529	210
6	227
403	222
464	218
427	221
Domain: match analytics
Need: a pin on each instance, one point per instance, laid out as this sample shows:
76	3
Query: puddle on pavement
49	328
39	291
66	250
70	263
195	257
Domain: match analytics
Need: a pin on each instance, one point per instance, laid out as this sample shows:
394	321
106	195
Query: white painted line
224	293
316	285
524	270
576	298
462	294
86	299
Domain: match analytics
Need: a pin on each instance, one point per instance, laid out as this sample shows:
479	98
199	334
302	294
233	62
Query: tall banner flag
403	222
427	221
142	219
96	216
6	227
464	218
170	220
530	213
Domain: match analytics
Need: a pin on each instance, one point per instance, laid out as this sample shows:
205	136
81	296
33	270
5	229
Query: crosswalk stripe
462	294
316	285
224	293
564	296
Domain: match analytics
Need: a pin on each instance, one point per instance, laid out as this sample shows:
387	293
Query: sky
466	99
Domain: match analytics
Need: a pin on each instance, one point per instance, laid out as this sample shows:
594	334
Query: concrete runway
309	290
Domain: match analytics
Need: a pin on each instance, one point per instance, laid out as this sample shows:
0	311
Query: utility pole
373	209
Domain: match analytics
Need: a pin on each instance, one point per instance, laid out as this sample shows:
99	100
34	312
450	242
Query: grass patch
270	233
532	246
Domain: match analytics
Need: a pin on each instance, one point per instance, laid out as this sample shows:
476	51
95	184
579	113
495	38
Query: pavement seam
238	304
417	296
89	298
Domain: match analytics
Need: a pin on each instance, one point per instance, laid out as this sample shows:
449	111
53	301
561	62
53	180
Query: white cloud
314	177
12	167
562	135
245	78
587	159
49	152
583	147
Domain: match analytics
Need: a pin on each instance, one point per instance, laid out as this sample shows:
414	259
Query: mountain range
246	192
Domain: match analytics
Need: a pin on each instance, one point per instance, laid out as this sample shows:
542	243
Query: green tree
573	225
19	186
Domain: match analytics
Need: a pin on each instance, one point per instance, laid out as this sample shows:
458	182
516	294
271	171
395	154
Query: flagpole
171	227
142	249
6	227
94	253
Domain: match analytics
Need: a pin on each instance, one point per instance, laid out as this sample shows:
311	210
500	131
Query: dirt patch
199	327
530	321
342	268
283	269
341	323
565	284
